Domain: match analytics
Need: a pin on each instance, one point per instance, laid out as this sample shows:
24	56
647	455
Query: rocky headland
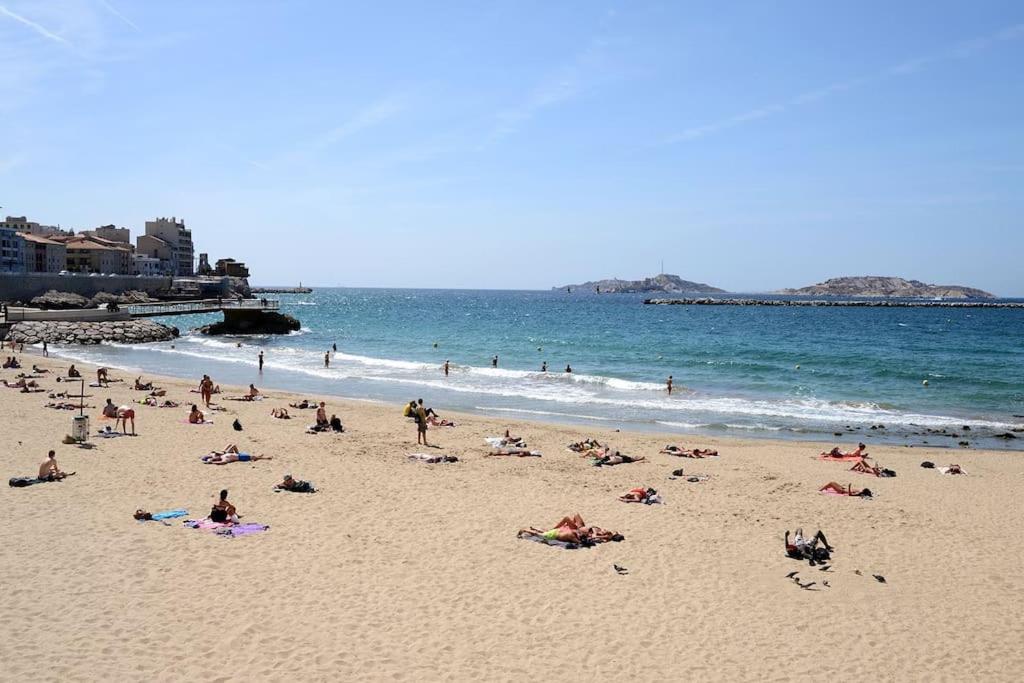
883	286
664	284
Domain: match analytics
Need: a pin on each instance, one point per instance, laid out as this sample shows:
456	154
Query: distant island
880	286
664	283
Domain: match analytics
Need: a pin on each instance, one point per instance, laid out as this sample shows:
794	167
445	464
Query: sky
522	145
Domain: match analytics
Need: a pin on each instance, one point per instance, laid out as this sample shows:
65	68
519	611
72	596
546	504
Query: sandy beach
403	570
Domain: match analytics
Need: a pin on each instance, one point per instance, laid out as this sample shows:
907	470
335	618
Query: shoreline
403	568
947	437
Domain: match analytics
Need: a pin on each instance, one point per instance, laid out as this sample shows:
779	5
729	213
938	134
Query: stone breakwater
281	290
880	303
65	332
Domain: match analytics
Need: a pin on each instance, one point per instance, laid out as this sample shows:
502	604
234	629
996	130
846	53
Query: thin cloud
368	117
113	10
41	30
908	67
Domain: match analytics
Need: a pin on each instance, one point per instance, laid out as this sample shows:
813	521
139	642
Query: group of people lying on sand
602	456
688	453
571	530
27	386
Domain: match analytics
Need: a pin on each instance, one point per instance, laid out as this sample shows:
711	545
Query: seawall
25	286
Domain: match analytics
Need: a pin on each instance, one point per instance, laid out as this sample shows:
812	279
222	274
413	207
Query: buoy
925	383
797	366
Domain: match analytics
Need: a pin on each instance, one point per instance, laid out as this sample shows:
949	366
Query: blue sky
751	145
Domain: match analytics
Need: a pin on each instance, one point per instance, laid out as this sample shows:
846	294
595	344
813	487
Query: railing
202	306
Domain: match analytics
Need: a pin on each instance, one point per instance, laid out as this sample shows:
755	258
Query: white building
146	265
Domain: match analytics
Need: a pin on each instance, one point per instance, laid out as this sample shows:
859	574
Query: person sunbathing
39	371
836	453
848	490
253	392
585	445
149	401
280	413
158	392
803	548
616	459
142	386
863	467
73	372
50	471
694	453
639	495
170	404
295	485
515	450
573	530
196	416
952	469
228	457
334	424
435	421
62	405
22	384
302	405
223	511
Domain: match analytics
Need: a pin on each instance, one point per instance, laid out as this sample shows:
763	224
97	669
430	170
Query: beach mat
547	541
22	482
431	458
170	514
842	458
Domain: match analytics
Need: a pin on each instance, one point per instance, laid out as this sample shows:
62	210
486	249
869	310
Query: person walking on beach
46	353
327	359
421	423
446	368
261	361
494	361
544	366
206	390
669	385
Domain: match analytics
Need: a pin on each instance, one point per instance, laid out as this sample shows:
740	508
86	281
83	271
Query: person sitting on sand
803	548
640	495
196	416
124	414
73	371
253	392
142	386
280	413
223	511
335	424
321	416
50	471
836	453
615	459
848	490
109	410
295	485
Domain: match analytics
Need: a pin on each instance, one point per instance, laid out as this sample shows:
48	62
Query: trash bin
80	428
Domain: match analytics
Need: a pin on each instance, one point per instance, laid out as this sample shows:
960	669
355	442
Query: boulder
265	322
54	300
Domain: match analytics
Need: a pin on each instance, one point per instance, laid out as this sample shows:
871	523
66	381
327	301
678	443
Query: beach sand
403	570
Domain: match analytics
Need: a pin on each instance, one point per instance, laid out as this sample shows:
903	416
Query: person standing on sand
327	359
206	390
261	361
494	361
446	368
421	423
669	385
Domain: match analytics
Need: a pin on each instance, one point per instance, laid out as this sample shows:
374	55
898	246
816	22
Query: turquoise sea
793	372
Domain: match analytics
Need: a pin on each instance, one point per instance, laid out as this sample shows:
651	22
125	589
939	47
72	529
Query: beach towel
499	441
205	422
170	514
21	482
108	433
428	458
547	541
242	529
203	524
841	458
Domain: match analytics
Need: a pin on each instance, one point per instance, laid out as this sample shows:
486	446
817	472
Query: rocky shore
878	303
65	332
252	322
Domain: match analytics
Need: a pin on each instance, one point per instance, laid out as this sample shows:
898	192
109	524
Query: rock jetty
61	301
281	290
65	332
265	322
875	303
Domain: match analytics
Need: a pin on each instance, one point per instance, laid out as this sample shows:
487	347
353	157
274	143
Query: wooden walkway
193	307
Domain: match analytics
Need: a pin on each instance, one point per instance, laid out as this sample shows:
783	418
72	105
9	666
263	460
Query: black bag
237	425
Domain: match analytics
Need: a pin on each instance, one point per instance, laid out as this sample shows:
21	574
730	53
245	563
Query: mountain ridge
659	283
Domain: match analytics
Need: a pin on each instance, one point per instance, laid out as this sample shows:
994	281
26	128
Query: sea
917	376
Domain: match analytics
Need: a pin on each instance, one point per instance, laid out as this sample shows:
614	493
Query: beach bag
927	464
236	425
